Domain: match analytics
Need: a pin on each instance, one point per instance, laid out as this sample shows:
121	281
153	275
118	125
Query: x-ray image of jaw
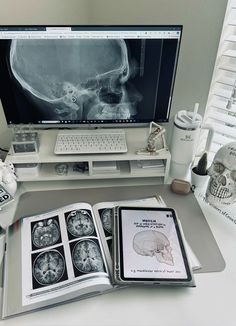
75	79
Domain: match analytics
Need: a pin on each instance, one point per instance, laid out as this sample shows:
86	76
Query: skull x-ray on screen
87	74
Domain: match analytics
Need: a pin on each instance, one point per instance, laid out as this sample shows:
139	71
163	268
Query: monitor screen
93	75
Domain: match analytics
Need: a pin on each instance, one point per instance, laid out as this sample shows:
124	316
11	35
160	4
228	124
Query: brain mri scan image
45	233
106	218
48	267
80	223
86	257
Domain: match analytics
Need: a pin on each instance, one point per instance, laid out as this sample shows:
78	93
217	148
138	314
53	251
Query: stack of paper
106	167
154	165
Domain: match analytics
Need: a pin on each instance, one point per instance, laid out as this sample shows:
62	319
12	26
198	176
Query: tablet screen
151	245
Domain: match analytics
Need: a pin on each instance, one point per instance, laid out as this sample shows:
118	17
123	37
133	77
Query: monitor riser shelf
127	168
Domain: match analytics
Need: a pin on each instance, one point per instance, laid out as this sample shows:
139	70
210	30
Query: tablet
148	247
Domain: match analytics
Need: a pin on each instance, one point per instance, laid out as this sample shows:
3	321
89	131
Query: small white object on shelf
27	169
105	167
154	166
148	164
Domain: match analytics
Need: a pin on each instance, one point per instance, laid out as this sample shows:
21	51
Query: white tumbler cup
187	126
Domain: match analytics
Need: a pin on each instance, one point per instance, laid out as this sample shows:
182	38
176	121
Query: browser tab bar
55	32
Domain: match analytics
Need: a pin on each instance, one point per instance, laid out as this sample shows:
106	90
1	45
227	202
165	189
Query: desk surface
210	303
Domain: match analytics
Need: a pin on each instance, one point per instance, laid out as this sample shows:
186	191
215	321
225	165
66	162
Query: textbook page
61	251
52	258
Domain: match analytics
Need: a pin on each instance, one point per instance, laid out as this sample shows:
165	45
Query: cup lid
188	120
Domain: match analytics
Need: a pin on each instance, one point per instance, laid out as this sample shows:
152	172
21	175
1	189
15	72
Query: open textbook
61	255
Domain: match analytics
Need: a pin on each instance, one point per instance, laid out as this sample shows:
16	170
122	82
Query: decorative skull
153	243
221	189
75	79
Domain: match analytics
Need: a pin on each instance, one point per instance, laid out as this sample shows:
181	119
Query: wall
202	21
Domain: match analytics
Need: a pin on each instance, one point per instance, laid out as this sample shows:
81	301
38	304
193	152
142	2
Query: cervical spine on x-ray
76	79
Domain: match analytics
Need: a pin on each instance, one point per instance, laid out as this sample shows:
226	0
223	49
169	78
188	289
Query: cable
4	150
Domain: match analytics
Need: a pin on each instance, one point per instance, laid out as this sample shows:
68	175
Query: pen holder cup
198	181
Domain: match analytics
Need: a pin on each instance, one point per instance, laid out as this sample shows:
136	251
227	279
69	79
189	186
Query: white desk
212	302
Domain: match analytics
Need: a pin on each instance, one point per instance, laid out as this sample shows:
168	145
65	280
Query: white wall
202	21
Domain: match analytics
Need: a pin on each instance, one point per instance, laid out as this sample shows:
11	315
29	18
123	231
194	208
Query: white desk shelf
128	164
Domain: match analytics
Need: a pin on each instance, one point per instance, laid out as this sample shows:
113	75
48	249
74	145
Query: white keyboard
90	142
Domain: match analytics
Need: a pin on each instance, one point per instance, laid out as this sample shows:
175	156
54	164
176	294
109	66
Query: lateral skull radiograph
76	79
86	256
153	243
45	233
48	267
79	223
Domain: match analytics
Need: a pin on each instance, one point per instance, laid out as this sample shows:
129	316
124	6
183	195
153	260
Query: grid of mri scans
51	245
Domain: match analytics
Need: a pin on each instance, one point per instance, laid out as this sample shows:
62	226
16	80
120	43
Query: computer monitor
70	76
